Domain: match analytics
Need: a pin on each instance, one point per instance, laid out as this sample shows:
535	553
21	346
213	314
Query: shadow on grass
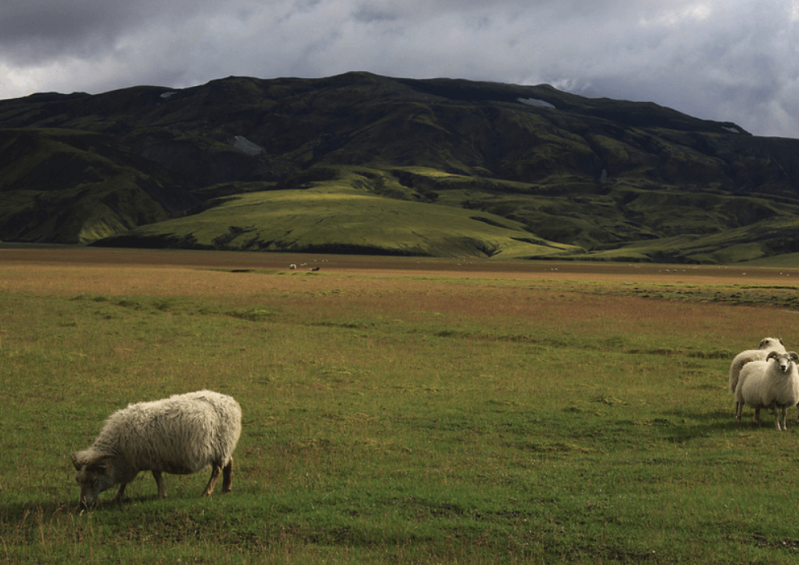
690	425
34	512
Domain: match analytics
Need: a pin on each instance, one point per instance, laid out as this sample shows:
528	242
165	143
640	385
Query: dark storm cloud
725	60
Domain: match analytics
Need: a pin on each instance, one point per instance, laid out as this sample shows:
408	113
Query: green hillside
334	218
430	167
65	186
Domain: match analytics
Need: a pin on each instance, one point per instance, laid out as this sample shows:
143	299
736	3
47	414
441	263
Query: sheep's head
94	474
784	360
771	343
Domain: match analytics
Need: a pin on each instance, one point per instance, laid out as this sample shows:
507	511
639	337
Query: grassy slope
424	211
333	217
783	260
58	186
759	241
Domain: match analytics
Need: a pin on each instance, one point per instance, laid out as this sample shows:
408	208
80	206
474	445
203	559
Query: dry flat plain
378	265
400	410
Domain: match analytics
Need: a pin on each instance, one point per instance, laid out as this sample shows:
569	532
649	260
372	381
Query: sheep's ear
794	356
78	463
772	355
781	342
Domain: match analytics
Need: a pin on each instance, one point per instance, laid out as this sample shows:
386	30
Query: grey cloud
36	31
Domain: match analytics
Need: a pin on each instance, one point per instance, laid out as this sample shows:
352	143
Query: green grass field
399	418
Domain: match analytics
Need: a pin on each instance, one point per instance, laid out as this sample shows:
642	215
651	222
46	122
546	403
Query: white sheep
773	383
767	345
182	434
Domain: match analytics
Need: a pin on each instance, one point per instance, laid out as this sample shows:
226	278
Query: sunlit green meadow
395	419
336	216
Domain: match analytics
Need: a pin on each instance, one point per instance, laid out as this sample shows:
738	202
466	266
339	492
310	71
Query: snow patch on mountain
535	102
245	145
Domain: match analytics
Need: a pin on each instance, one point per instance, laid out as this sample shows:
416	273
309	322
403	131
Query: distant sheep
182	434
773	383
767	345
293	266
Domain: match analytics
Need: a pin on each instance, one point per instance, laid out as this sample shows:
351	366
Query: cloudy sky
728	60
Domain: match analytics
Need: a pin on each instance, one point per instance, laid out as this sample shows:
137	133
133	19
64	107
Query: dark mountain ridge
611	179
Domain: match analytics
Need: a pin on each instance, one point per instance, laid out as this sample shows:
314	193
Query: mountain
360	163
68	186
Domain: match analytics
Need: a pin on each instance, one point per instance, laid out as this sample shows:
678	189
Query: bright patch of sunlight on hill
332	217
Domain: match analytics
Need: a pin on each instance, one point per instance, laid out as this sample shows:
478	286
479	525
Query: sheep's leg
757	415
227	477
120	493
784	415
739	408
776	412
216	471
160	482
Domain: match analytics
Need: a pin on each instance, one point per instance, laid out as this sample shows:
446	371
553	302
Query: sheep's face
784	360
94	476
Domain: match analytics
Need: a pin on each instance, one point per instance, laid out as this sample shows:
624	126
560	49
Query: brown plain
558	294
21	264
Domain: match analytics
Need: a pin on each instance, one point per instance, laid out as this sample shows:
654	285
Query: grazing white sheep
181	435
767	345
773	383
